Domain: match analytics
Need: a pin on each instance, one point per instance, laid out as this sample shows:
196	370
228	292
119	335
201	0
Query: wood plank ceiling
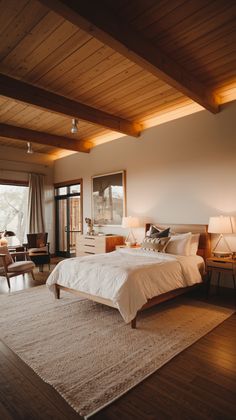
42	48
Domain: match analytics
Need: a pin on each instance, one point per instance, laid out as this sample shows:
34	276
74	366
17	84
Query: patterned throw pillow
155	244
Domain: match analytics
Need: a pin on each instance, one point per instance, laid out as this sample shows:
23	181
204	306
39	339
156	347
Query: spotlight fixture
30	149
74	127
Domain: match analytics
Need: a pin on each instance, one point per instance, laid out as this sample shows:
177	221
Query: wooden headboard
204	248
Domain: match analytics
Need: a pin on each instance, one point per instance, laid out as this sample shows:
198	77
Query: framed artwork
108	199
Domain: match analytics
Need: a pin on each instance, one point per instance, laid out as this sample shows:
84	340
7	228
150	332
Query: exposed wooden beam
33	95
95	17
24	134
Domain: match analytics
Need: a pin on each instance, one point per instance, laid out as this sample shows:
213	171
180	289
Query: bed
132	279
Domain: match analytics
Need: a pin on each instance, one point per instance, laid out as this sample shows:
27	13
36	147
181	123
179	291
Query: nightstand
220	265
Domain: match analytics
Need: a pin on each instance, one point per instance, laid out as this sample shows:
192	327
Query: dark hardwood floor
199	383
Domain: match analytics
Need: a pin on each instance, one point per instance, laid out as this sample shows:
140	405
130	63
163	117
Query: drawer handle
87	252
90	245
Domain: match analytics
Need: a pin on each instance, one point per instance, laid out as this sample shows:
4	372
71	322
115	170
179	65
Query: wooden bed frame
203	251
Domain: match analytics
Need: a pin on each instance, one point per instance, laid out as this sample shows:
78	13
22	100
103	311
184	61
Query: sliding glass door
68	218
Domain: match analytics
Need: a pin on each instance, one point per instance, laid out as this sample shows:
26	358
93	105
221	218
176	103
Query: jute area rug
87	352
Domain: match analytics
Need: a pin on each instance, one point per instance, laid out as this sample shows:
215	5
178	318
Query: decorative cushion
20	266
194	243
179	244
155	244
42	250
8	258
156	232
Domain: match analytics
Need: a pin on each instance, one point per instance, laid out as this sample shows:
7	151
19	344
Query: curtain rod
21	171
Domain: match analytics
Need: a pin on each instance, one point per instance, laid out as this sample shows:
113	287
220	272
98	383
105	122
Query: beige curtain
36	204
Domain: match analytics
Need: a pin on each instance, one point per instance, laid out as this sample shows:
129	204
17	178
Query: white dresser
90	245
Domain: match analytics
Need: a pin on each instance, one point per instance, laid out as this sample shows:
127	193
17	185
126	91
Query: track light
74	127
30	149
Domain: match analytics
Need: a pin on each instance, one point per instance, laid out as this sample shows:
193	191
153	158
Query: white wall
16	165
181	172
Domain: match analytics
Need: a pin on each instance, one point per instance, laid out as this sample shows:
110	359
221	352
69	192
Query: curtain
36	204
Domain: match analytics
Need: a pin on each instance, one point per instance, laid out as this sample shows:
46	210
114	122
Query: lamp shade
220	224
7	234
130	222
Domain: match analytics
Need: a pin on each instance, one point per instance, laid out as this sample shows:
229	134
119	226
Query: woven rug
87	352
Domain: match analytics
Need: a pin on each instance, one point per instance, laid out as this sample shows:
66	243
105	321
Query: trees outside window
13	211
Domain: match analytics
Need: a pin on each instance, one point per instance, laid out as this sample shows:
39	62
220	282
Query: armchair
38	248
10	268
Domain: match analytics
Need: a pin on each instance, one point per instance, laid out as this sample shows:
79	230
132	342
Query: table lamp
130	222
221	225
4	235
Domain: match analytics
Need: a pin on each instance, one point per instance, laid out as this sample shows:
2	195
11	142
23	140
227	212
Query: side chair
10	268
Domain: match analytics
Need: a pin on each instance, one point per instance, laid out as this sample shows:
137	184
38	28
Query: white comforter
128	277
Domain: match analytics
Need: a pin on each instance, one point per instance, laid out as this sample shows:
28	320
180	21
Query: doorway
68	217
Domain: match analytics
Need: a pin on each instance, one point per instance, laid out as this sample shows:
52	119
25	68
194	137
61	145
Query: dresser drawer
91	245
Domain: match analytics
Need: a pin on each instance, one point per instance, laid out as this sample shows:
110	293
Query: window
13	211
68	217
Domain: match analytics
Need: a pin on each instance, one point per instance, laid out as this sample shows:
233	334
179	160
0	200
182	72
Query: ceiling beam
33	95
24	134
96	19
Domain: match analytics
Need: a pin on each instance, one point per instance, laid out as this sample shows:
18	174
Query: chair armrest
20	253
3	258
17	254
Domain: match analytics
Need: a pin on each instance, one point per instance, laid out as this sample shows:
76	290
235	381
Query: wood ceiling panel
188	31
21	25
23	146
16	113
89	55
42	48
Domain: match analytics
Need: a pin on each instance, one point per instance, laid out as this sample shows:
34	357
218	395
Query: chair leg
32	274
8	282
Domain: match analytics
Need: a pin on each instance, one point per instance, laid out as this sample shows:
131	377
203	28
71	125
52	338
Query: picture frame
109	198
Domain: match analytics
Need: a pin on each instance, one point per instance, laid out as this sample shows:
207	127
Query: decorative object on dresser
108	198
97	244
130	223
221	225
90	230
220	266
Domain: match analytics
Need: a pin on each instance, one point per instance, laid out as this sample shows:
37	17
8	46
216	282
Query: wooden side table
220	265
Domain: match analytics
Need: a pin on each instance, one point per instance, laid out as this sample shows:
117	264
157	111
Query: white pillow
179	244
194	243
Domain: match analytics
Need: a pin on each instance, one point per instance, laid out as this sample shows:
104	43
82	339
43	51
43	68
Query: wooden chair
38	248
10	268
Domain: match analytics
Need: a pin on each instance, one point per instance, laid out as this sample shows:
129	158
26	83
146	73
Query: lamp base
222	254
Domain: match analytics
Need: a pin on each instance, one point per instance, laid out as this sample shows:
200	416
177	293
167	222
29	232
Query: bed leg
133	322
57	294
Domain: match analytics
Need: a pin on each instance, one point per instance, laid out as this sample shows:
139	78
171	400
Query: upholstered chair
38	248
10	268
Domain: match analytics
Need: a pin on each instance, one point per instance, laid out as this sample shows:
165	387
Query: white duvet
128	277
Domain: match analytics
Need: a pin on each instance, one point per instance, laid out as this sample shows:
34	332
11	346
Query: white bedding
128	277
